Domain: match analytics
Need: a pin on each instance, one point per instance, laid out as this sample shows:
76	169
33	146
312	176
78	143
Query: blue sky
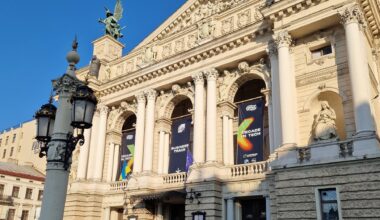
36	35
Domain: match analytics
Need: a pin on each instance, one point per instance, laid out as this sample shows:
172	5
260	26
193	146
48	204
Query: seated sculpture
325	127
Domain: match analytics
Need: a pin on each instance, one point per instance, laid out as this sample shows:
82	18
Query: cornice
371	12
187	58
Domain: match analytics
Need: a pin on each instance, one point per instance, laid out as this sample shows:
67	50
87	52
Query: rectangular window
4	153
24	215
1	190
11	214
40	195
28	193
11	153
1	140
328	204
322	51
14	138
15	191
6	140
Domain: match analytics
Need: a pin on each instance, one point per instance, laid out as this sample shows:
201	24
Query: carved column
149	130
139	141
268	104
211	75
199	119
101	142
287	90
230	209
275	97
83	156
352	19
116	161
110	161
161	152
227	109
93	146
166	153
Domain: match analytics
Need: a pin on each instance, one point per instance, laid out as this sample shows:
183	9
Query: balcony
119	186
247	170
6	200
174	178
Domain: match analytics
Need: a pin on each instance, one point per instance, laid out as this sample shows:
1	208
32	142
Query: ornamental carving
118	114
103	109
272	49
228	25
150	94
283	39
179	45
206	30
227	84
211	74
198	78
352	14
140	97
150	54
244	18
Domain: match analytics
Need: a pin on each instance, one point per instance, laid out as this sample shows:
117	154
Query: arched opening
251	127
181	143
327	118
127	148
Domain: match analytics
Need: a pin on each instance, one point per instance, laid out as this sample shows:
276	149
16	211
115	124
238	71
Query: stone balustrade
118	185
174	178
249	169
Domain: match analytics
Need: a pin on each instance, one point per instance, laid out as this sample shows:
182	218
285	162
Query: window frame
18	193
23	217
29	193
14	214
319	204
40	195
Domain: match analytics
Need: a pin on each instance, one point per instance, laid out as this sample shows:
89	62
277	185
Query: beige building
316	65
21	191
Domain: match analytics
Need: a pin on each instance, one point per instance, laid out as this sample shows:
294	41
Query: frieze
321	75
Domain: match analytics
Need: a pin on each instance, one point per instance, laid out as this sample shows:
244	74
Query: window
15	191
328	204
40	195
11	154
6	140
24	215
28	193
1	140
4	153
1	190
14	138
11	214
322	51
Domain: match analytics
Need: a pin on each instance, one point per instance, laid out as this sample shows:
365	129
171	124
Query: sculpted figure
112	27
325	127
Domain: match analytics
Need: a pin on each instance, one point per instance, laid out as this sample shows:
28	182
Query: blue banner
250	136
180	155
127	154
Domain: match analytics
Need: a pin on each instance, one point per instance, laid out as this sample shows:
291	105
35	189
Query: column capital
272	49
283	39
198	78
140	97
150	94
211	74
103	109
352	14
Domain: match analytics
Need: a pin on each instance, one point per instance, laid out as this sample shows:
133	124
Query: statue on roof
111	22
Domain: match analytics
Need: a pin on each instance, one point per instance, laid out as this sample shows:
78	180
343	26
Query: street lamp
55	126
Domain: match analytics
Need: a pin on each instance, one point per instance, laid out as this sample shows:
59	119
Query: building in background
21	191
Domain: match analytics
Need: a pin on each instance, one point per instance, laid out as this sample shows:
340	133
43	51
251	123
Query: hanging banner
180	155
126	154
250	132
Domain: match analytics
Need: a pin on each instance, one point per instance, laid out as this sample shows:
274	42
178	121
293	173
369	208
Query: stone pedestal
107	48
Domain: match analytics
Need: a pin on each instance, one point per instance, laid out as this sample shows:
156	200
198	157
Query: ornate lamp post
55	126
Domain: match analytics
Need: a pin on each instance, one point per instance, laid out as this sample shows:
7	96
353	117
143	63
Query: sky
36	35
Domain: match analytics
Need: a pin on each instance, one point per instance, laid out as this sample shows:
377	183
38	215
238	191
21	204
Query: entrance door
177	212
253	208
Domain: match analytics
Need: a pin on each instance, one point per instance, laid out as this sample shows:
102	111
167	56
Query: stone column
166	153
275	97
268	104
107	213
199	119
116	161
231	140
110	161
149	130
93	146
267	208
230	209
83	156
226	140
211	75
101	142
139	139
161	152
287	91
159	211
352	18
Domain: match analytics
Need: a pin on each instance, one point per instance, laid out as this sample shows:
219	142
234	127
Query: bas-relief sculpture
111	22
325	127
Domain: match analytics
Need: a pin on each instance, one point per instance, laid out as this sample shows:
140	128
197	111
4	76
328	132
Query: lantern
84	104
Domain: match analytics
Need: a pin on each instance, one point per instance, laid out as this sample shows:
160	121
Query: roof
27	172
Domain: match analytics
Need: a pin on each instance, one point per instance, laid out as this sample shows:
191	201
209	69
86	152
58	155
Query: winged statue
111	22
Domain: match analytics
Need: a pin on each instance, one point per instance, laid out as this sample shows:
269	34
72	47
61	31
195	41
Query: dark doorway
253	208
177	212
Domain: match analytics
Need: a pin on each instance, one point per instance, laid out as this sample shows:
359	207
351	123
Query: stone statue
112	27
325	127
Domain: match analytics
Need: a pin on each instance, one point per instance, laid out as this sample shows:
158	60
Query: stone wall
83	206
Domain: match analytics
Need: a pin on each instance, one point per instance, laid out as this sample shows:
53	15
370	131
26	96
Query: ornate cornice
283	39
352	14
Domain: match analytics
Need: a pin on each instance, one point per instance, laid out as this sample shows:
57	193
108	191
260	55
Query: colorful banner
127	155
250	136
180	155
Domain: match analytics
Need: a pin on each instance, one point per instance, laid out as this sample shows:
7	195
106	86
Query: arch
118	116
170	104
315	94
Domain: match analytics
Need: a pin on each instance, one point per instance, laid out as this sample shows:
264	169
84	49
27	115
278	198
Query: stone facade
314	62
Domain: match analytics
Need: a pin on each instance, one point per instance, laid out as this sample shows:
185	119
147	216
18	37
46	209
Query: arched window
127	148
246	99
181	144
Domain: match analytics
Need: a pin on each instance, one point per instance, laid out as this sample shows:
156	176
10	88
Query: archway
127	149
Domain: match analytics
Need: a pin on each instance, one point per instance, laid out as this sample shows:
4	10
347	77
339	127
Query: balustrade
174	178
118	186
249	169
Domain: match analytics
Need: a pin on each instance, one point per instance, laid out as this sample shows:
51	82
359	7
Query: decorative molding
352	14
283	39
119	114
211	74
198	78
150	94
321	75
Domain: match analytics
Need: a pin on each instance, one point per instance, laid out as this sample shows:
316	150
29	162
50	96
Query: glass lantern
45	122
84	104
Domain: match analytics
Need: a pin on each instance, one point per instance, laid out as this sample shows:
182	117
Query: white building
316	65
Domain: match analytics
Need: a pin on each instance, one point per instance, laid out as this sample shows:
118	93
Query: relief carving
324	126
